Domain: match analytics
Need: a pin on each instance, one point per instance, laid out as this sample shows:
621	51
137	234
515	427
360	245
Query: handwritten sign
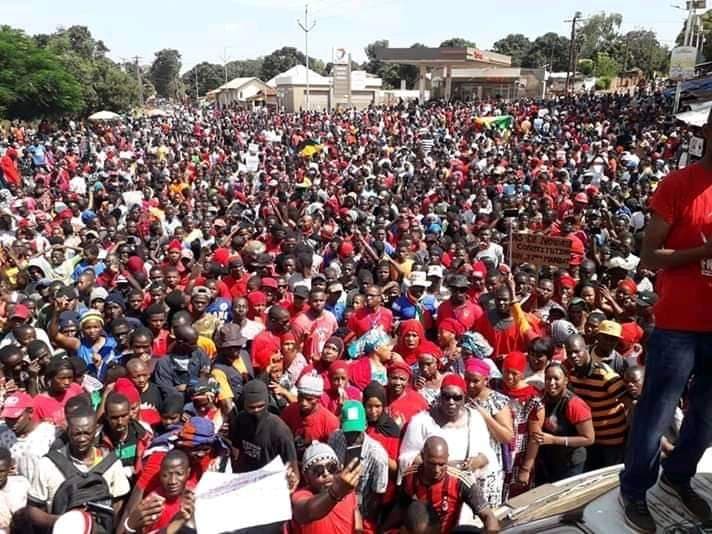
541	249
262	497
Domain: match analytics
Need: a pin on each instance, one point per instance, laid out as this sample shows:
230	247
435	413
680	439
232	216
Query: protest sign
540	249
263	496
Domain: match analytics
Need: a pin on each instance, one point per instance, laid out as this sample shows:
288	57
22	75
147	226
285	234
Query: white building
241	90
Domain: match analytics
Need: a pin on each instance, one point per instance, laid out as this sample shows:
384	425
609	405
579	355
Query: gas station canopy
442	58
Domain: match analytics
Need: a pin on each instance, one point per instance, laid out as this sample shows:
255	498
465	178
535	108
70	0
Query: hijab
409	355
385	424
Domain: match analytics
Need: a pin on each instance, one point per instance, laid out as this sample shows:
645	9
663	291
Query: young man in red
443	487
372	315
678	241
313	327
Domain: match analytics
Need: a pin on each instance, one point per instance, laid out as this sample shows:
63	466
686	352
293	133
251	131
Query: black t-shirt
152	397
260	441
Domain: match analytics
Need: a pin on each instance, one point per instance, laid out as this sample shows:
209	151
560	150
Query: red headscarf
409	355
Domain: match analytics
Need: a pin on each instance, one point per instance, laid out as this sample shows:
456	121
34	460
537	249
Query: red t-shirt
577	411
149	478
364	320
467	313
160	344
340	520
684	201
51	409
410	404
317	426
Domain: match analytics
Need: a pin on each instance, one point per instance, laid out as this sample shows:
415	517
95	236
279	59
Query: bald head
435	446
136	365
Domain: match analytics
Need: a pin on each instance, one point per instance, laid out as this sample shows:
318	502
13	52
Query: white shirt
28	450
12	497
48	478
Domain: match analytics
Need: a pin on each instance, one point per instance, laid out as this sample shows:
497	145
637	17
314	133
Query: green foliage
515	45
33	82
606	66
247	68
598	33
281	60
548	49
164	73
603	83
457	42
641	49
585	66
389	73
210	76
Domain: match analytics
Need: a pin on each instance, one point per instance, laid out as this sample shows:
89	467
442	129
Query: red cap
479	269
515	361
452	325
399	366
175	245
125	387
581	198
16	404
270	282
20	312
346	248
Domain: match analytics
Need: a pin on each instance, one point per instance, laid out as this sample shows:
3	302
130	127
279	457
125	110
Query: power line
306	28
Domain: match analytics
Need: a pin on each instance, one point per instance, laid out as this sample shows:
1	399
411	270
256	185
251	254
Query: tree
598	34
247	68
514	45
585	66
389	73
210	76
641	49
606	66
164	73
115	89
281	60
548	49
457	42
33	81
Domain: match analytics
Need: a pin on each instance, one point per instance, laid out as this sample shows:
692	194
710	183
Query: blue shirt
404	308
221	309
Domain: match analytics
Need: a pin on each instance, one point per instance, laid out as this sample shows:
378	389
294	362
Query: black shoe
689	498
637	515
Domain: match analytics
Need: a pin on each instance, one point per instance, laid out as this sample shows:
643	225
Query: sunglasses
321	469
457	397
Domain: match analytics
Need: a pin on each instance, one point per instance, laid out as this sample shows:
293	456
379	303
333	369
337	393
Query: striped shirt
602	389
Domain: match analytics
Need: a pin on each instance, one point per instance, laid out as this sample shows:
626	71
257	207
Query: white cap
435	270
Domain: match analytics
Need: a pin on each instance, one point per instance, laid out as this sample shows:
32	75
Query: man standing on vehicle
678	242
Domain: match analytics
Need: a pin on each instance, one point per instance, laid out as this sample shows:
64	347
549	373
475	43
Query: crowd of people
213	289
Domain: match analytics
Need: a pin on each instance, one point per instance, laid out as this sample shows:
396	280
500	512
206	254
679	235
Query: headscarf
198	431
452	325
453	379
628	285
339	365
475	343
338	343
399	366
409	355
255	298
134	265
385	424
476	366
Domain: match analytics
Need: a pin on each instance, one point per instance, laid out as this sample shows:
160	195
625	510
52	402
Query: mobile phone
353	451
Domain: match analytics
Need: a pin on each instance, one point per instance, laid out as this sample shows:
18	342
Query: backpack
84	490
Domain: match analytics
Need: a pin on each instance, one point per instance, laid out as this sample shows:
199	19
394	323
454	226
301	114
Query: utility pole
225	59
196	83
306	28
572	47
687	42
140	81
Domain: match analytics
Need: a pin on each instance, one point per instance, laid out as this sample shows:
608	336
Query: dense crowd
213	289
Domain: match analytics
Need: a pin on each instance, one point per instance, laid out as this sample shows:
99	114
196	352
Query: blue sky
211	29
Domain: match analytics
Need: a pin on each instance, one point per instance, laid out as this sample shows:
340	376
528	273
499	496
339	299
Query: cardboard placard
541	249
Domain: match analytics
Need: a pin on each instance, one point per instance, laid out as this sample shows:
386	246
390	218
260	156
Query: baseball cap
301	291
20	312
98	293
646	298
353	416
229	336
16	404
336	287
610	328
270	282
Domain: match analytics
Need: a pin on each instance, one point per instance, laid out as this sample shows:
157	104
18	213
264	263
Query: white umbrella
156	113
104	116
